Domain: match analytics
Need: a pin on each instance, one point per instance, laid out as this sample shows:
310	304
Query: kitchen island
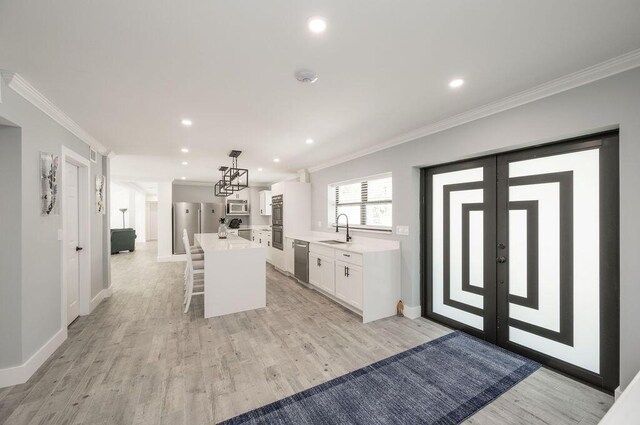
234	274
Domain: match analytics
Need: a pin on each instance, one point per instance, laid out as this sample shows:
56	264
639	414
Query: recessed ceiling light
309	141
276	159
456	83
186	122
183	178
184	150
317	25
306	76
259	169
185	163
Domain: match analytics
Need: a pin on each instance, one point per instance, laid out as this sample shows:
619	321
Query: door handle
347	271
501	259
78	248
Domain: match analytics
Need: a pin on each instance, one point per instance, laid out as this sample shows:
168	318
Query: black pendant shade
234	179
220	188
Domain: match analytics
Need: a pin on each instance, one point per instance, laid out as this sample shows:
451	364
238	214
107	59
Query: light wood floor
137	359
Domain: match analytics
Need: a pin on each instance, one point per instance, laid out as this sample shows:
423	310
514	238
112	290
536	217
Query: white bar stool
195	275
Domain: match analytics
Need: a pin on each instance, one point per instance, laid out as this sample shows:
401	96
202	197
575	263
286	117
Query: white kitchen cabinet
328	282
296	214
243	194
322	273
368	282
289	255
315	271
349	283
265	202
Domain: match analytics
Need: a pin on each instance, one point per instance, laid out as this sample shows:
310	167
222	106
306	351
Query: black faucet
337	219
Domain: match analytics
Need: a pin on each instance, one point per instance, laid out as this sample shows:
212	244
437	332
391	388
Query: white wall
11	246
165	227
140	217
151	208
608	103
124	195
38	307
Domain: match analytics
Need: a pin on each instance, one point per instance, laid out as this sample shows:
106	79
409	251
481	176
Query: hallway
139	360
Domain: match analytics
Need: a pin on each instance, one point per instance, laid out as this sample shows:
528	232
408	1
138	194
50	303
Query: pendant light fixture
234	179
221	189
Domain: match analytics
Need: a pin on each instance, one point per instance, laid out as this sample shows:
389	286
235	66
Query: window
366	202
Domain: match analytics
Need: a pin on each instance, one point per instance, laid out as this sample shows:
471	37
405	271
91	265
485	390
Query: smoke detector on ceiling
306	76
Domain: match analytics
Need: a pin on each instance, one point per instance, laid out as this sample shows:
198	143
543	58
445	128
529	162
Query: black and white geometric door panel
461	235
554	255
522	252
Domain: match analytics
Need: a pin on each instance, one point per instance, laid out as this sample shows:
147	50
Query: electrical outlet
59	234
402	230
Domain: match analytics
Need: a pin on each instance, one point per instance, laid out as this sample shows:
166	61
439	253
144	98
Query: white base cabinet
289	255
368	282
349	283
263	237
322	272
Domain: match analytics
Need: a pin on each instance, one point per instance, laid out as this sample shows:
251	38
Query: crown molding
588	75
40	101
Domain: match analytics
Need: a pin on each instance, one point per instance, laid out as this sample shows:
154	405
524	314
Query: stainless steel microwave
237	207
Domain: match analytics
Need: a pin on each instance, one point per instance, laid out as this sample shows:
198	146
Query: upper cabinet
243	194
265	202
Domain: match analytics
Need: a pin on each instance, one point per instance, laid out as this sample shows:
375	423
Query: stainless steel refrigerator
196	218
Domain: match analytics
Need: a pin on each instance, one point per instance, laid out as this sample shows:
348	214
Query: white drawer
349	257
322	250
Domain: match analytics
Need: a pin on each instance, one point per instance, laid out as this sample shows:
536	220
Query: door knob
501	259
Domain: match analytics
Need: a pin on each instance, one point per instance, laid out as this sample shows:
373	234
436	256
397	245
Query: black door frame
607	142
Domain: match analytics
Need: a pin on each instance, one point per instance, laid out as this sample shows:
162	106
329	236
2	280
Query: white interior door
71	226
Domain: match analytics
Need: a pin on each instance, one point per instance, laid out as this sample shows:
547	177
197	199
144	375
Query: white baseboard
617	393
169	258
98	298
412	312
21	374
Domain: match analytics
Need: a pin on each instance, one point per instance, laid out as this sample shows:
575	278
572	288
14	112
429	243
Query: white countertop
211	242
360	245
261	227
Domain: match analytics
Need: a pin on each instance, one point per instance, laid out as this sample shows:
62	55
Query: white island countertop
211	242
234	274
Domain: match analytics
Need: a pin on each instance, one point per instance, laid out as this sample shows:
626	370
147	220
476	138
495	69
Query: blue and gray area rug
441	382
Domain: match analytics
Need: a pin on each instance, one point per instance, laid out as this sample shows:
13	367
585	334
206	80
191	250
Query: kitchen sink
332	242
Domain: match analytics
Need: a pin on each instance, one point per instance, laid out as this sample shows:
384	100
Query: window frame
333	204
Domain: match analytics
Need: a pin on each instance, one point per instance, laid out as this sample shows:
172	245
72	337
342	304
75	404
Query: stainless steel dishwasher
301	264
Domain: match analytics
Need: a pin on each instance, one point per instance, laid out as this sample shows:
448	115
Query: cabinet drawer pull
347	255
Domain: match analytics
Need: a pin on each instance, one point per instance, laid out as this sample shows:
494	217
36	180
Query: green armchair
123	240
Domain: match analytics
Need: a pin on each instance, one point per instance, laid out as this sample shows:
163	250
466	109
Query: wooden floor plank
137	359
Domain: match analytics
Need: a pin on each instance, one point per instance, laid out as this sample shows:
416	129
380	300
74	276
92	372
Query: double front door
521	250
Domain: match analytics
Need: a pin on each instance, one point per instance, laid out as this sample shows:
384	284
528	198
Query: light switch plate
59	234
402	230
320	224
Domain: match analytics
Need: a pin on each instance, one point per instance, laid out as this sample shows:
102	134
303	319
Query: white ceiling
129	71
